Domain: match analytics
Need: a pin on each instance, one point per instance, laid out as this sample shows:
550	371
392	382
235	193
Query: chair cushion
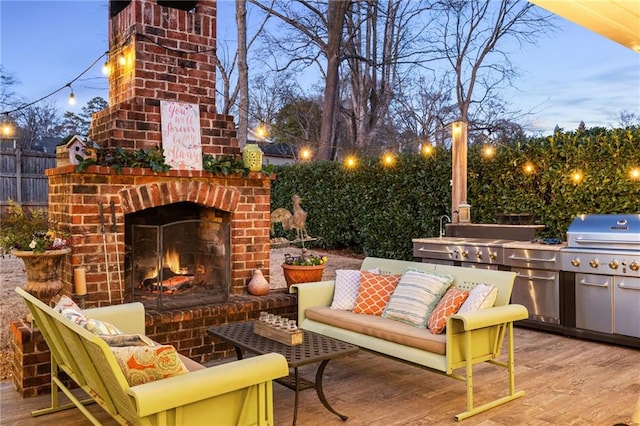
482	296
448	305
143	364
374	292
382	328
415	297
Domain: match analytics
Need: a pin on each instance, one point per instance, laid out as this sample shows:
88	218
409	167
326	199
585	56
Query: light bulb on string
72	96
106	69
350	162
635	173
305	154
427	149
388	159
488	151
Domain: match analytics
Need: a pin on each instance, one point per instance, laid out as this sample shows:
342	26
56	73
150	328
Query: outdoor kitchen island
547	282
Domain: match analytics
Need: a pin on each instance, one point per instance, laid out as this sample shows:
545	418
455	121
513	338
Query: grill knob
634	266
613	264
594	263
478	255
493	255
575	261
464	253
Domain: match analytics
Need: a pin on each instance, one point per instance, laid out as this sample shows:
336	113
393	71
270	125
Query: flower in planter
305	259
27	230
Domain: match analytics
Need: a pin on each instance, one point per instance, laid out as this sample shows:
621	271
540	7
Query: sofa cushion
374	292
143	364
482	296
416	296
448	305
382	328
346	289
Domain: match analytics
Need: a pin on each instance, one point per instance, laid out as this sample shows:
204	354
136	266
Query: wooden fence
22	177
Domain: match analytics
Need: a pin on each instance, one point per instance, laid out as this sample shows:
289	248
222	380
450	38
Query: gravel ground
12	275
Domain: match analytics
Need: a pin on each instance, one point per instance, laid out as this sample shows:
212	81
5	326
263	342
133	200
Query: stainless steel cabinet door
627	306
594	302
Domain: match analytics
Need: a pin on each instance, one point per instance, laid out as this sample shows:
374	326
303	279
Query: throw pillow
70	310
482	296
449	305
346	288
120	340
415	297
143	364
374	292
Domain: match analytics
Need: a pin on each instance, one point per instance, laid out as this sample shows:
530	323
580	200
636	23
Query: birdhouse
68	153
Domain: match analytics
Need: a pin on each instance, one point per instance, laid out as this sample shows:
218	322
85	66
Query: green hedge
378	210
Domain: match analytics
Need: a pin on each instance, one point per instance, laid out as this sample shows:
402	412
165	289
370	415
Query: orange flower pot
295	274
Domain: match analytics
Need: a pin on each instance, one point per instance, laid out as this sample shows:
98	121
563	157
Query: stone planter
294	274
43	272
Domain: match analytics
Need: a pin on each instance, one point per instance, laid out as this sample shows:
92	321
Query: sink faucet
444	216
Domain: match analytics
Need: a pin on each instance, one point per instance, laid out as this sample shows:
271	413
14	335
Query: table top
315	347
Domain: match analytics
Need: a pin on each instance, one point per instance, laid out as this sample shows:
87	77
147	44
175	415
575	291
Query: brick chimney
161	50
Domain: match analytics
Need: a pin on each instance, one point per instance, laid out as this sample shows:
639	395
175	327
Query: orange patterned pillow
374	292
448	305
143	364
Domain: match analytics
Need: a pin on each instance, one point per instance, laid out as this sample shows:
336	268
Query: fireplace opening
178	256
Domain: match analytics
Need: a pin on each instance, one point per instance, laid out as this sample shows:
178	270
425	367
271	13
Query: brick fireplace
159	51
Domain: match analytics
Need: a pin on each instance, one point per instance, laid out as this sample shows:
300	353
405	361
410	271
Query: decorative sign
181	135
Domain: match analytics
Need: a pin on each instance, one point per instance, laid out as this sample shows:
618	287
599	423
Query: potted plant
25	233
304	268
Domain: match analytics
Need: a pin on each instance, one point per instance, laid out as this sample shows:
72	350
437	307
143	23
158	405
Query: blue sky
570	76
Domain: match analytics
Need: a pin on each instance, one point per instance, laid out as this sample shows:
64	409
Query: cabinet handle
434	251
532	259
603	285
535	277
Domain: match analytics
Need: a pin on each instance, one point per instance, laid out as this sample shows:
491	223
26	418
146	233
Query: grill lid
605	231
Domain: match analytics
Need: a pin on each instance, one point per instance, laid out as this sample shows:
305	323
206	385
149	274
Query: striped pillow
416	296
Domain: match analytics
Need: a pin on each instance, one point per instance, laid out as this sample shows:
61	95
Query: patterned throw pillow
70	310
416	296
448	305
346	288
143	364
374	292
482	296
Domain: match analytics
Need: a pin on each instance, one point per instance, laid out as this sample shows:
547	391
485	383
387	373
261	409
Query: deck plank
567	382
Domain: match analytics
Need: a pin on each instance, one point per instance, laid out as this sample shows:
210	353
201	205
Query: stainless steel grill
603	244
604	253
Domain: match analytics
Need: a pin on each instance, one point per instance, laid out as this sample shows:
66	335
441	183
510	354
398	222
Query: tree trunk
335	17
243	72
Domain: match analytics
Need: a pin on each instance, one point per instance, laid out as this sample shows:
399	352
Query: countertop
527	245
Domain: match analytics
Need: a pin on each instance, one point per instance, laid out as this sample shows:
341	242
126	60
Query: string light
488	151
577	177
427	149
635	173
350	162
72	96
388	159
106	68
528	168
305	154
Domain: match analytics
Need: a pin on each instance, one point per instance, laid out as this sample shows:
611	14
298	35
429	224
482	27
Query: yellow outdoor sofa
235	393
469	339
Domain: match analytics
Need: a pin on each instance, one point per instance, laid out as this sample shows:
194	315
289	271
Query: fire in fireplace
179	256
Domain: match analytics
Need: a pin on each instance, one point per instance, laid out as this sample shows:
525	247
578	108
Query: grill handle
434	251
601	241
531	259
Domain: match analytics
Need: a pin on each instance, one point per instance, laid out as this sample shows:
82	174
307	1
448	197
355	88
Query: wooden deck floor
567	382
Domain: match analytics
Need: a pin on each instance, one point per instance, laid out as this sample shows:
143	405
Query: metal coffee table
315	348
